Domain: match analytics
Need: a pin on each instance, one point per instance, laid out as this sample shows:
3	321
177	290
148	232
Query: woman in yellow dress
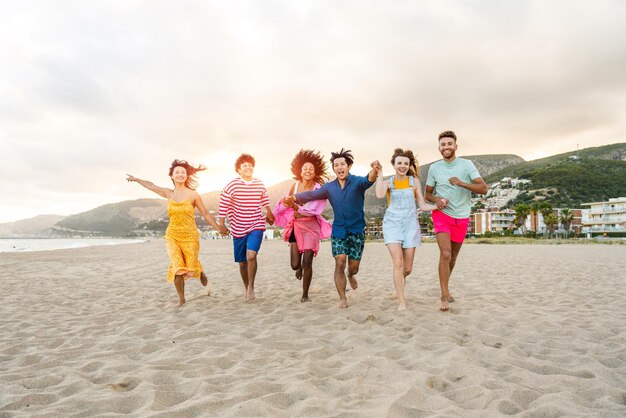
182	237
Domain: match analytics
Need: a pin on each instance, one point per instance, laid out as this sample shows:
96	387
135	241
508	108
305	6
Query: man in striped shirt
242	201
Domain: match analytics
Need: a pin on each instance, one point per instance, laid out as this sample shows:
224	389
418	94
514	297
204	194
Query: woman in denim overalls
400	227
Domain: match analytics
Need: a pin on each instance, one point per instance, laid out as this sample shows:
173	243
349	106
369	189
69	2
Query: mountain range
572	178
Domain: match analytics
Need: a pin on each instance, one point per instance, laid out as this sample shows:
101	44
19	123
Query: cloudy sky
92	90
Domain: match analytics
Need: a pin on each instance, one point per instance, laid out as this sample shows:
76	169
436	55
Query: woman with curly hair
400	227
182	238
304	226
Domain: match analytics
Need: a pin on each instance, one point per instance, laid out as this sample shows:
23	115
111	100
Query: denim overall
400	222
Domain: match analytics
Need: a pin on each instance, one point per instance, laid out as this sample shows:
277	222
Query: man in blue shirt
346	195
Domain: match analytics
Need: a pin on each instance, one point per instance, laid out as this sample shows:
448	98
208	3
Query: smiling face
341	168
179	175
307	172
246	170
401	165
447	148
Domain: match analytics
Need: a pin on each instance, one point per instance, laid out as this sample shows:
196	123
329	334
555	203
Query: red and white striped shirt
242	201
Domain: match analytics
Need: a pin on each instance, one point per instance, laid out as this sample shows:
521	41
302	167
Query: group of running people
245	202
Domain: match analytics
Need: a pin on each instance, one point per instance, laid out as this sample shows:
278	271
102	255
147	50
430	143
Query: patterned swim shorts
352	246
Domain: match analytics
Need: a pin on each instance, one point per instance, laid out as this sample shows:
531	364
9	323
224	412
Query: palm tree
546	210
551	221
567	217
521	214
534	209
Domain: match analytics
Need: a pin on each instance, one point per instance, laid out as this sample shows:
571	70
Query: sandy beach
536	330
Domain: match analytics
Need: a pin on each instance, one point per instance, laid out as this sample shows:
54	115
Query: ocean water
10	245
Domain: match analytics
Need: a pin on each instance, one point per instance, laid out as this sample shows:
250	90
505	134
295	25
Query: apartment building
605	216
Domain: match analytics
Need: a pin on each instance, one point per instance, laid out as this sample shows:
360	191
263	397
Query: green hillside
573	178
613	152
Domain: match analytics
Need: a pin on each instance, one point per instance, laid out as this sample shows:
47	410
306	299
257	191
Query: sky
90	91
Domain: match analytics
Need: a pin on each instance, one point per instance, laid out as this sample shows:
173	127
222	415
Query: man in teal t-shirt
450	184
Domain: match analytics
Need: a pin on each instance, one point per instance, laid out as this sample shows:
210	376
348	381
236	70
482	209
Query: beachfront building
606	217
374	228
491	221
534	221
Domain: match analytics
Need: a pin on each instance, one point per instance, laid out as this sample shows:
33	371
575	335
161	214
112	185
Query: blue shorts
252	241
352	246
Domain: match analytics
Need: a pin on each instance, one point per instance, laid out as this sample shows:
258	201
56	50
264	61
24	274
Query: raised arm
373	174
161	191
381	185
198	203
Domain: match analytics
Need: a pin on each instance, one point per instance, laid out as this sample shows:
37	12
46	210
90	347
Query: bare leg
395	251
179	283
252	266
445	255
455	249
307	274
353	269
296	259
408	255
340	279
243	271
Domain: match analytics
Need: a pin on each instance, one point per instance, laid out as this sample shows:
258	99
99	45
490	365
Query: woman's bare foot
299	274
204	280
181	302
444	304
402	307
304	299
250	294
343	303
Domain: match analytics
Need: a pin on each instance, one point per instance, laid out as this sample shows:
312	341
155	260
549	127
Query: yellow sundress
182	239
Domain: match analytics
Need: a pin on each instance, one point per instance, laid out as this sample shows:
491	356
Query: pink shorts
457	228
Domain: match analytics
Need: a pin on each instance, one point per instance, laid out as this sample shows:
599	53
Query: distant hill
114	219
613	152
32	227
573	178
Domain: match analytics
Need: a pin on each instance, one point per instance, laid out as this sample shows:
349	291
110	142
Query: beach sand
536	330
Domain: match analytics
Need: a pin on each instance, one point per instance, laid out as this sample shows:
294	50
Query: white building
606	216
495	221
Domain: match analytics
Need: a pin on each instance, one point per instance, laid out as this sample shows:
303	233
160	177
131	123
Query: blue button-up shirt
347	203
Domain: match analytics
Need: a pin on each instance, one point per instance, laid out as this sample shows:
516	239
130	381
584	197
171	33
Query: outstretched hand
130	178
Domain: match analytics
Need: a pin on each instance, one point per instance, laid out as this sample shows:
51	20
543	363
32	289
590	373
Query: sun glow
221	169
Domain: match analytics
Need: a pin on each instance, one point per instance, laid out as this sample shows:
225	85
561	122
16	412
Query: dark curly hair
347	154
244	158
308	156
414	169
447	134
192	181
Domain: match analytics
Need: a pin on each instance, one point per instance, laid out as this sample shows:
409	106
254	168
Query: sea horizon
31	244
